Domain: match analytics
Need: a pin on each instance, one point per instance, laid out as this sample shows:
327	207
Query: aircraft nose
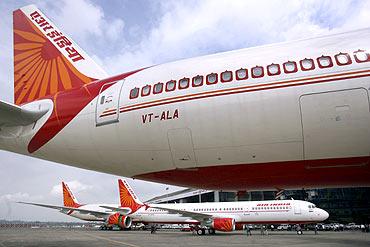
323	214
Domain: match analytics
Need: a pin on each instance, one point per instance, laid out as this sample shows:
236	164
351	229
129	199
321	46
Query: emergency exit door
182	150
336	124
107	105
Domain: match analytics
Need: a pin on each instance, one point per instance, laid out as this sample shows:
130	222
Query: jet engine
120	220
223	224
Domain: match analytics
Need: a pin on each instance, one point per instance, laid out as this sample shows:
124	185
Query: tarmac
90	238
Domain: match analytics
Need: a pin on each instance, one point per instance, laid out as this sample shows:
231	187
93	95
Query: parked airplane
218	216
288	115
89	212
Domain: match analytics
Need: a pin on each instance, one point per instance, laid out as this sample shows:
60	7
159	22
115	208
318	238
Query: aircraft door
336	124
297	209
182	150
246	210
107	105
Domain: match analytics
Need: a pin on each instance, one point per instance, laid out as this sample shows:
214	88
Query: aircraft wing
124	211
13	115
201	217
62	208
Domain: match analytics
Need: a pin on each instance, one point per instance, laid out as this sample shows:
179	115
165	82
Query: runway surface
90	238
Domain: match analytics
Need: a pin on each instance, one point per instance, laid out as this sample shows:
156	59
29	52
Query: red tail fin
128	199
46	61
68	198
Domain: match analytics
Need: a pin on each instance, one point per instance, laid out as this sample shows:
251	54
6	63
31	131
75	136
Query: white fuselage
181	137
258	212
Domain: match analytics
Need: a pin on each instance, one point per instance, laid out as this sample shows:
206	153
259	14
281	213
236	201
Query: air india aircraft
217	216
287	115
89	212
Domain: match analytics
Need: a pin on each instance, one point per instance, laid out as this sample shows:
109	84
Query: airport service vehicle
218	216
89	212
287	115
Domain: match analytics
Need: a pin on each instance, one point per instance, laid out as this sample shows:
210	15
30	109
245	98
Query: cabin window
226	76
324	62
362	56
184	83
241	74
343	59
134	93
307	64
197	81
290	67
102	100
145	91
257	72
211	78
170	85
158	88
273	69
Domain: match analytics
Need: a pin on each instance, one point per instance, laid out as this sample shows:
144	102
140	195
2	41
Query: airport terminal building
344	205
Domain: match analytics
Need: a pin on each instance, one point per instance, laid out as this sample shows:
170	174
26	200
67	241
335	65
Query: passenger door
107	105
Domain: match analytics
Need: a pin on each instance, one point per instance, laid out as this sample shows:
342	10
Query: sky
122	35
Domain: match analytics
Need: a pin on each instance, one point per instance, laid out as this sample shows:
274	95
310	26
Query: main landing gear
202	231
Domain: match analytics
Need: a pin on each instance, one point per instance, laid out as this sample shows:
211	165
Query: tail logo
40	69
127	197
68	198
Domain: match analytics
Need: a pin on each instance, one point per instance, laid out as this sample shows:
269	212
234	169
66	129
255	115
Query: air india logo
40	69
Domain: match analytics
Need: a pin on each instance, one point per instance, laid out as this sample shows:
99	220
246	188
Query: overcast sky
123	35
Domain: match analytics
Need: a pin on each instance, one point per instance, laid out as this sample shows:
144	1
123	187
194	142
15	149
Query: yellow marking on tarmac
111	240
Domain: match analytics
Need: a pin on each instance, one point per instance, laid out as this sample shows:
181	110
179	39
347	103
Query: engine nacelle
122	221
223	224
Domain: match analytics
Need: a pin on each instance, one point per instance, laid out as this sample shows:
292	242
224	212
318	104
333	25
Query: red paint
287	175
67	105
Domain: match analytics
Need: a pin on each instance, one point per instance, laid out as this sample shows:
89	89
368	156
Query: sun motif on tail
128	198
40	69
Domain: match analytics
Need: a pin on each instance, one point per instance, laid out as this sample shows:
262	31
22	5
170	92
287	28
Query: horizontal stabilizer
12	115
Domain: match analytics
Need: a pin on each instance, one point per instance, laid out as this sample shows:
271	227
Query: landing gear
211	231
201	231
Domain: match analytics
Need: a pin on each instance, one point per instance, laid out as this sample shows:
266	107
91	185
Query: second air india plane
217	216
287	115
90	212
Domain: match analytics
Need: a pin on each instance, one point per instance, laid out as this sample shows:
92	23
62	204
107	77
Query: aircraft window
211	79
361	56
257	72
158	88
170	85
226	76
102	100
184	83
343	59
134	93
197	81
145	91
307	64
290	67
325	62
241	74
273	69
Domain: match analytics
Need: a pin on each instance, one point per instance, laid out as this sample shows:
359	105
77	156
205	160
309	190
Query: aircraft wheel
200	231
211	231
299	232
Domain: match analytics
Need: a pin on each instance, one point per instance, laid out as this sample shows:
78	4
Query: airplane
89	212
217	216
281	116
